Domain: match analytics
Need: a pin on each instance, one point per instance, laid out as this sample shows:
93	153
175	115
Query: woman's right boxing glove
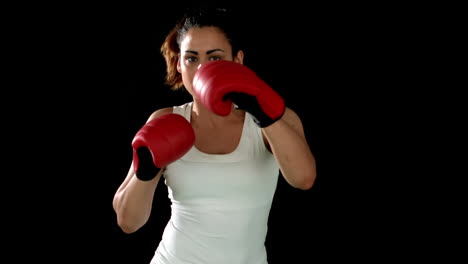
159	142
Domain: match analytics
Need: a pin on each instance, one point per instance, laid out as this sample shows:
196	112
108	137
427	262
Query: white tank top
220	203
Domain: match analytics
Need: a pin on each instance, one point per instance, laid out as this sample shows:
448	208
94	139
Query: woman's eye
192	59
214	58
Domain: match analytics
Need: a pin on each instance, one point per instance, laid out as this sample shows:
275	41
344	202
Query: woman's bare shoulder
160	112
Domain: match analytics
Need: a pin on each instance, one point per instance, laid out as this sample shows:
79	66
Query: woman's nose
202	61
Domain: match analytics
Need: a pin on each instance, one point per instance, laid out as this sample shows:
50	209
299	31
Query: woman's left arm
288	144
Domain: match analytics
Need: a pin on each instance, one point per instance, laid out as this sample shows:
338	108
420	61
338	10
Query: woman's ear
239	57
178	64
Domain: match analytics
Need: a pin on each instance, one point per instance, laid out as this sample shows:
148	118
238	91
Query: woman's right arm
134	198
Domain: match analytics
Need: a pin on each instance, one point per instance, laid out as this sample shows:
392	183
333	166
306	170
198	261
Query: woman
220	154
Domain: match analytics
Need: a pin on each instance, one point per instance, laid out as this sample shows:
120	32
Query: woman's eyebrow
213	50
208	52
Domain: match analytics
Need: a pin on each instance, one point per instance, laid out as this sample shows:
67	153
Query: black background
98	74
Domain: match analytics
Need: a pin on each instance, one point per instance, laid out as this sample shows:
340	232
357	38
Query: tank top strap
184	110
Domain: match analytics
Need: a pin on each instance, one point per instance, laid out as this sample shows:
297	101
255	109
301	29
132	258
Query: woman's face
201	45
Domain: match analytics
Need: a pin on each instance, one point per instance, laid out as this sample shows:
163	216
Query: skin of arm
288	144
134	198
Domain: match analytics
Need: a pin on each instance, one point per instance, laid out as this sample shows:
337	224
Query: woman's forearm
133	203
289	145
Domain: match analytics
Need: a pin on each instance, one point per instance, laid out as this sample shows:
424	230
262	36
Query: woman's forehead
203	37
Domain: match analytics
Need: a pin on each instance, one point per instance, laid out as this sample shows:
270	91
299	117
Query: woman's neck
203	116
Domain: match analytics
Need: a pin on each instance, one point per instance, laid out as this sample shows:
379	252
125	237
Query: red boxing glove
219	83
160	142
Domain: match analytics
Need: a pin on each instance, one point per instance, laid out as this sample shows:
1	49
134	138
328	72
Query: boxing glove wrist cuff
145	169
147	175
250	104
265	122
